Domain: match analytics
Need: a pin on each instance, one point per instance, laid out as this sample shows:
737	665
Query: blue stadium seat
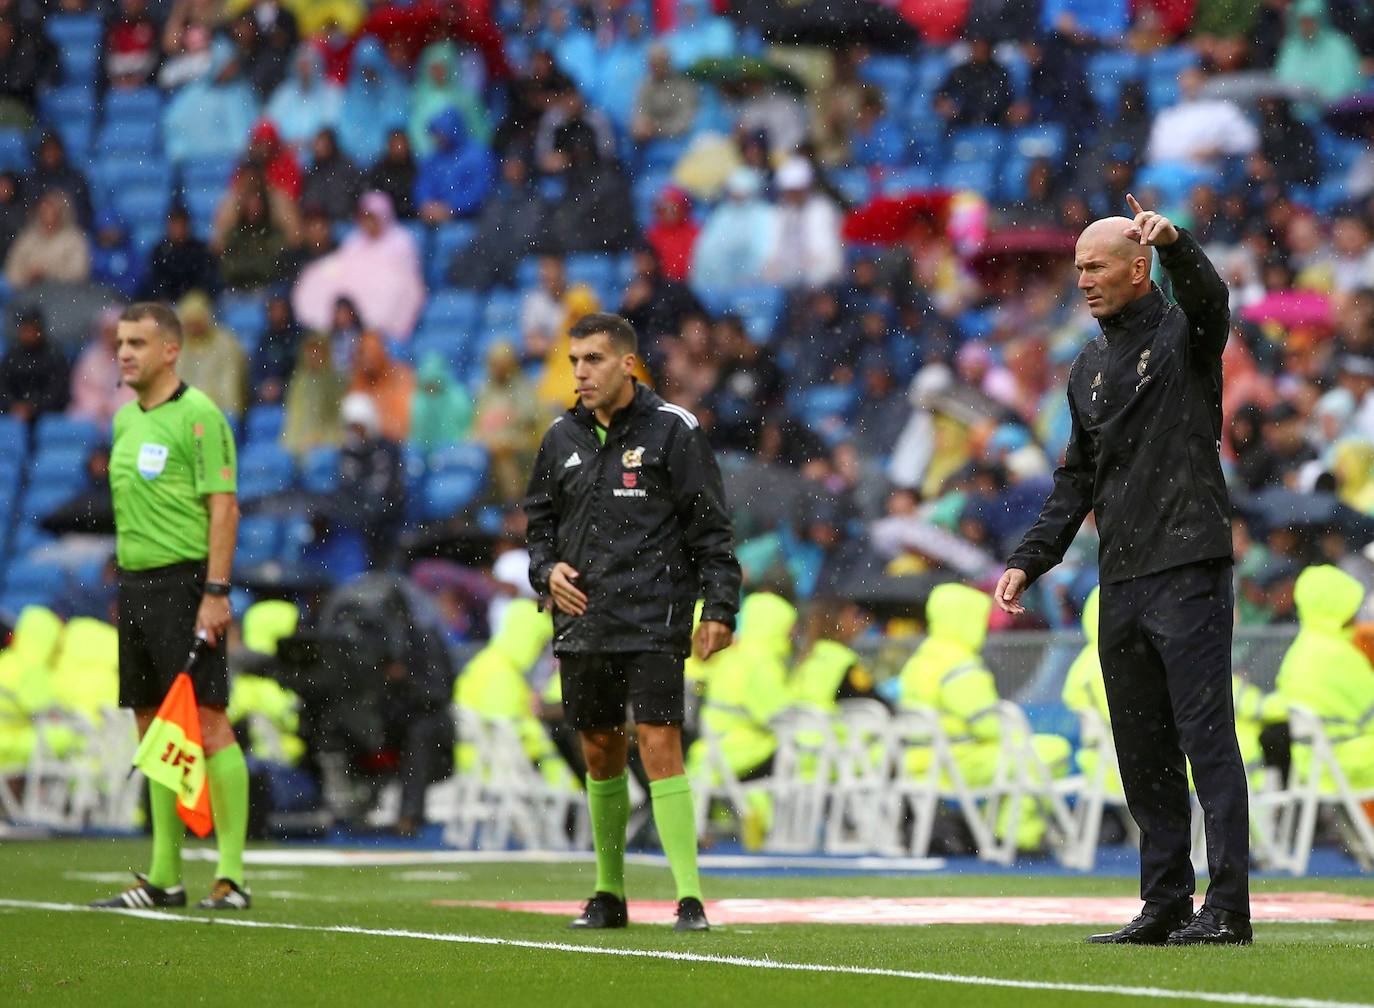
503	311
662	155
447	494
201	202
263	470
977	144
1045	140
905	180
320	470
40	500
452	345
977	176
246	316
78	136
63	466
125	104
449	240
142	205
1108	70
113	174
73	29
14	150
467	456
892	75
36	579
129	137
55	430
452	309
263	426
259	540
759	308
1013	179
931	69
1173	180
207	173
14	436
80	63
591	268
67	103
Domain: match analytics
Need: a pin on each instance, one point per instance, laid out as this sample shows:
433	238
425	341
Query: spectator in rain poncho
699	34
97	389
441	411
305	102
207	118
387	383
313	398
374	103
438	88
733	248
276	353
51	248
377	268
674	232
211	358
456	176
508	231
114	260
1316	55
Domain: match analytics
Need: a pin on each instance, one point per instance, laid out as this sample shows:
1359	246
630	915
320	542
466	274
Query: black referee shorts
157	626
598	687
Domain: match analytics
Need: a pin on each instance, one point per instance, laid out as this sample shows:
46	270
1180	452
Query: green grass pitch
52	957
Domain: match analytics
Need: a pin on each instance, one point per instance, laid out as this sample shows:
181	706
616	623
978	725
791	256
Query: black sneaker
691	915
144	896
1152	926
604	910
1214	927
225	895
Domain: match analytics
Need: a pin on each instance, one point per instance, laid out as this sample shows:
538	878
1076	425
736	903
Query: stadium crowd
852	262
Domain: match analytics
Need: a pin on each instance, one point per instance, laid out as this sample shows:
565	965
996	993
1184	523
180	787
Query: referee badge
152	459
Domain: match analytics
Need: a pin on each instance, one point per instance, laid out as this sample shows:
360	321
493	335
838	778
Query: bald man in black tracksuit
1144	456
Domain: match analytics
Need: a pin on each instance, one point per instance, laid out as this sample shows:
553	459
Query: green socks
228	775
168	832
609	802
677	831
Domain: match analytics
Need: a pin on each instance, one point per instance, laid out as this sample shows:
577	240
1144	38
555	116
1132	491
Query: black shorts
157	627
597	688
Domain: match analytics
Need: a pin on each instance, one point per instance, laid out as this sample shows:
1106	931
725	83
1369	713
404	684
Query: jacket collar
1142	313
645	400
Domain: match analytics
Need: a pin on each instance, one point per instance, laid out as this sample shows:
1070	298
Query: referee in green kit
172	475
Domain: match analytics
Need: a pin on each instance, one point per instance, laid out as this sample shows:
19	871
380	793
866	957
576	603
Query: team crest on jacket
1144	363
633	459
630	479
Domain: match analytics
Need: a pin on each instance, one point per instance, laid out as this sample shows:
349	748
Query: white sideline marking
968	980
354	858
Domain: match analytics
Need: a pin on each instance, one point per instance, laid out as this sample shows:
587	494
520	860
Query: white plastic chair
863	778
803	767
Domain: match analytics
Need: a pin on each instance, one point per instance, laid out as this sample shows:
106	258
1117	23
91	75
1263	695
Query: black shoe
604	910
226	895
1214	927
691	915
144	896
1152	926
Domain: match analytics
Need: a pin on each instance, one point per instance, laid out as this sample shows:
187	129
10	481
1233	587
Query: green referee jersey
163	463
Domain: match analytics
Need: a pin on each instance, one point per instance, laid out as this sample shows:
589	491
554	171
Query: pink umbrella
1291	309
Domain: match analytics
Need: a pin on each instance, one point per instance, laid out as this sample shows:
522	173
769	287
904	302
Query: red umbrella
1009	245
887	220
418	25
1291	309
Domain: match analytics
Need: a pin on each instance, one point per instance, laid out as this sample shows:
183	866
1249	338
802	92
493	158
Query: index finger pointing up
1135	206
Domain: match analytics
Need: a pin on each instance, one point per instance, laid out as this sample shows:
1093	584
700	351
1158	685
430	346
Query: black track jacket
1144	454
642	519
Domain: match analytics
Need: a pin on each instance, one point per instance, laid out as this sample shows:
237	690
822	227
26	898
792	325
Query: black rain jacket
1145	449
642	519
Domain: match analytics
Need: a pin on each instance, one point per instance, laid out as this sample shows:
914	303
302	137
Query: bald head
1113	268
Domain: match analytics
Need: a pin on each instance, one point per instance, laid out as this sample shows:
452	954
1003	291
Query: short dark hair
621	333
165	318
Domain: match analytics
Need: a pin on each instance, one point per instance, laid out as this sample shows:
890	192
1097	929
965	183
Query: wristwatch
216	587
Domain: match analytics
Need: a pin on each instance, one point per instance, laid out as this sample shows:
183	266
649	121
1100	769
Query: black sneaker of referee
226	895
691	915
144	896
604	910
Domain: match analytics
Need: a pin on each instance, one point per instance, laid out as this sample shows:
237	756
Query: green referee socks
228	775
609	802
677	831
168	832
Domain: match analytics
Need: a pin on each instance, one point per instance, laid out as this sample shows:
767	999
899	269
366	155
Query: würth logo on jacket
629	483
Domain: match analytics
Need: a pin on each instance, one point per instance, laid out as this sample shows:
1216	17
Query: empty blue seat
759	307
54	430
825	402
320	470
592	269
931	70
122	104
14	436
73	29
80	64
1172	181
453	346
40	500
467	455
61	466
892	75
66	103
447	494
976	176
1045	140
453	309
905	180
502	311
207	173
129	137
259	540
78	137
263	426
449	240
245	315
978	143
1108	70
14	150
142	205
36	578
663	154
125	172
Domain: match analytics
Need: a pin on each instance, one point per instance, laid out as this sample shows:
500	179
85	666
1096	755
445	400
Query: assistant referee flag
172	753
